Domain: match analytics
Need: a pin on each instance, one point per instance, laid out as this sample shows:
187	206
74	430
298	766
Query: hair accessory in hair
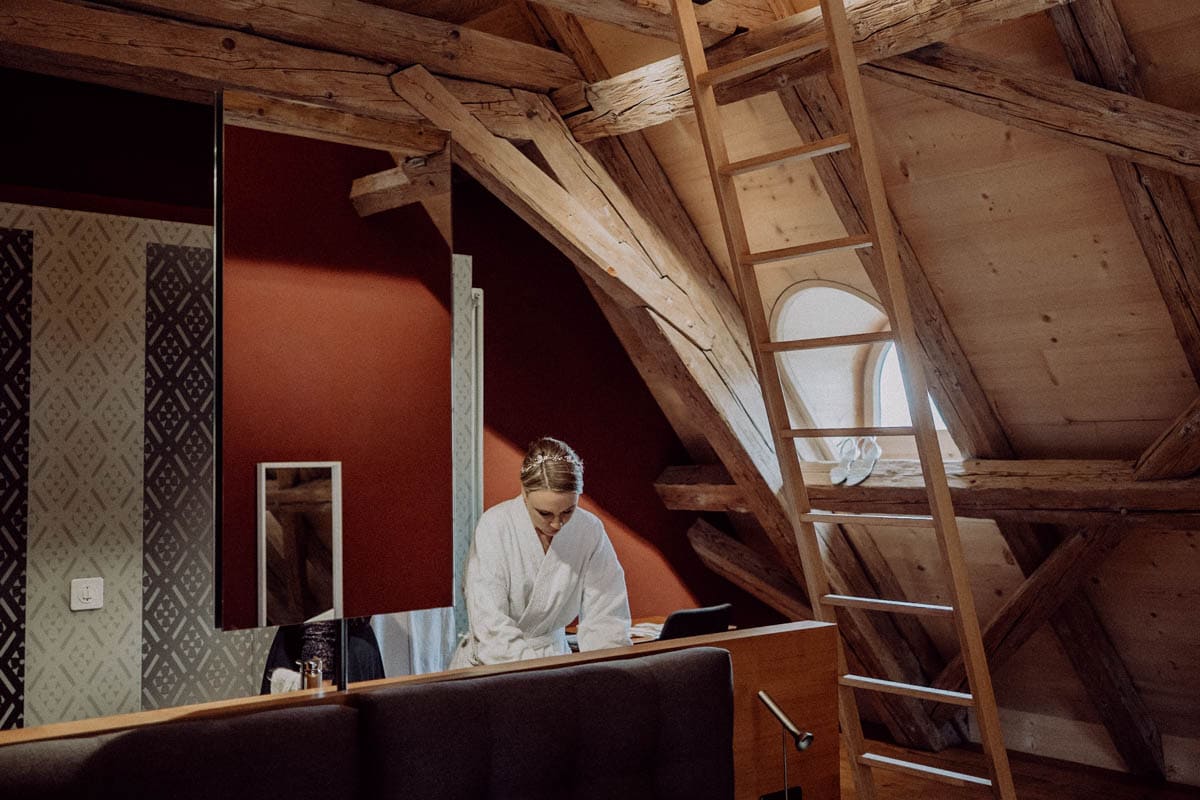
542	458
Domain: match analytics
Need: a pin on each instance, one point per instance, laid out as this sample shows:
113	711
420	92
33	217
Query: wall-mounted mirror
299	512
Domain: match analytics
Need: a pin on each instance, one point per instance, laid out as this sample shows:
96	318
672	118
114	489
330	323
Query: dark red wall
335	347
553	366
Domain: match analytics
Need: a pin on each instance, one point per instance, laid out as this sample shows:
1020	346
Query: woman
539	561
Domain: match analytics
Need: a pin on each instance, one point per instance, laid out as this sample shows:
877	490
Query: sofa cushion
305	753
659	726
51	770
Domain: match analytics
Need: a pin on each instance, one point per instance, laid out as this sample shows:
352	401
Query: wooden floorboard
1036	778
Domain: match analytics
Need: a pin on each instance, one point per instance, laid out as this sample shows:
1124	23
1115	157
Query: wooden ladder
836	39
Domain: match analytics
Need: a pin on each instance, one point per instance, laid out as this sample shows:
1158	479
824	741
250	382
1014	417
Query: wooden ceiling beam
412	181
158	55
379	34
287	88
653	17
248	110
563	28
1116	124
979	488
658	92
620	267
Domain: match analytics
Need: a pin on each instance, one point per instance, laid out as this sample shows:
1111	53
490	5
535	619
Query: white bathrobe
519	598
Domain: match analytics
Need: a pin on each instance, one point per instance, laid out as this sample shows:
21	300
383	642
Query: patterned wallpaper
16	288
85	461
115	395
184	659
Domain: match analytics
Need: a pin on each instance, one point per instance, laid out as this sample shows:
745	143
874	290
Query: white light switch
87	594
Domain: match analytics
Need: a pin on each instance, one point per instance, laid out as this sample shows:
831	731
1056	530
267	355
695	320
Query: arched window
843	386
891	405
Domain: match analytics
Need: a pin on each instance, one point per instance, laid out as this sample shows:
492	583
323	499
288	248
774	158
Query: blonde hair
551	464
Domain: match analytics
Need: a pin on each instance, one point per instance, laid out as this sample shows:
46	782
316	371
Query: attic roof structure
1041	161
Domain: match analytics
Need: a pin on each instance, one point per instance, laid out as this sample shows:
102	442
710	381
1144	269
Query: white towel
284	680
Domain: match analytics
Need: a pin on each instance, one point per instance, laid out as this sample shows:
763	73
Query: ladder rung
922	770
880	520
907	689
827	341
781	54
895	606
817	433
811	249
804	152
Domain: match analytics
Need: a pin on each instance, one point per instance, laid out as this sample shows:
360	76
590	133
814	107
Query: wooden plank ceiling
1052	244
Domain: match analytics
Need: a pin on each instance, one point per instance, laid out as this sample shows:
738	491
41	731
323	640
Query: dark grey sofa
654	727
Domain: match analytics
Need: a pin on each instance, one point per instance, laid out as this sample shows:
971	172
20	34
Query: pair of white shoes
856	459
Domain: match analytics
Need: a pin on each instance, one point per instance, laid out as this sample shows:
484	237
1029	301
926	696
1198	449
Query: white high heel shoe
869	453
847	452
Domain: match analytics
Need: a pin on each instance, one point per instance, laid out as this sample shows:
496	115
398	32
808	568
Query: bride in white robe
538	562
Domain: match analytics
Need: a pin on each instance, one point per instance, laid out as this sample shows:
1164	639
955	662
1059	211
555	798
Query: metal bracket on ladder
860	140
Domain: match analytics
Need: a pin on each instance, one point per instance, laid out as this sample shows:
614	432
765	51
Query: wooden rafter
619	266
412	181
1113	123
380	34
658	92
166	56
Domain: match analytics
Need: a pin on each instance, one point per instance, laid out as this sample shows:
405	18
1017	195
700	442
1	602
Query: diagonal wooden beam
743	567
658	92
1095	659
1115	124
711	398
619	267
412	181
380	34
1037	599
1176	453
